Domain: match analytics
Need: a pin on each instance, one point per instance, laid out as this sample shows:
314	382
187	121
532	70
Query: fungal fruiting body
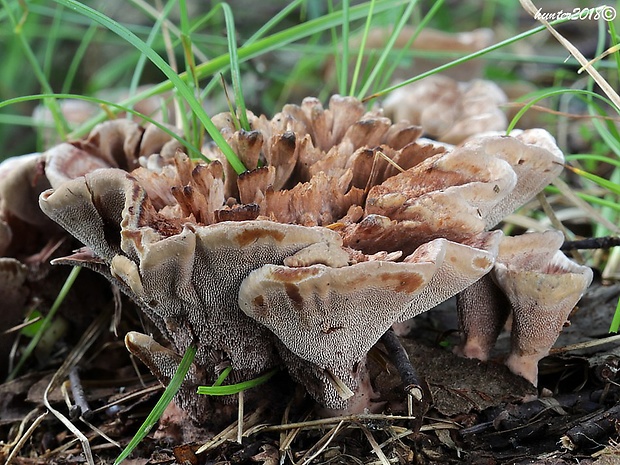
305	261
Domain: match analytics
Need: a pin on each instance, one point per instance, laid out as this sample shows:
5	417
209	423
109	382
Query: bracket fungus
349	225
327	318
535	281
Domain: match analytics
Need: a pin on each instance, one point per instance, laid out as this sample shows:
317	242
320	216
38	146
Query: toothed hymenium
344	225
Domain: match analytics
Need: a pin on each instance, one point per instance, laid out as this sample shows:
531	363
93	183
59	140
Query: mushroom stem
400	359
483	310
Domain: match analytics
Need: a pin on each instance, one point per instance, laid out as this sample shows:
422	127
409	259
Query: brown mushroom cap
329	318
483	308
317	309
291	273
542	296
454	195
458	267
21	182
187	281
535	159
65	161
91	209
448	110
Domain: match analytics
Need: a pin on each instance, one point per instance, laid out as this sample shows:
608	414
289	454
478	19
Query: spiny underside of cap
344	224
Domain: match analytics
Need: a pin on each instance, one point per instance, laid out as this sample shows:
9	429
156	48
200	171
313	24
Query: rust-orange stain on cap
248	236
403	282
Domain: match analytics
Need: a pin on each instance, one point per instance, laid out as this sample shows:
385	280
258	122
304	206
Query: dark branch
592	243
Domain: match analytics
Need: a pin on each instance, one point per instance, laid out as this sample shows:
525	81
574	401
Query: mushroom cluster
344	224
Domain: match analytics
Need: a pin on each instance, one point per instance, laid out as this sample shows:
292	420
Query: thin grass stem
234	66
360	52
173	77
193	150
162	403
260	47
46	322
388	48
464	59
229	389
62	128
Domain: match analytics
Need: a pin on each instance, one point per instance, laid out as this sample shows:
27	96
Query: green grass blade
52	40
304	67
606	130
615	322
152	12
614	42
47	321
283	13
231	107
193	131
139	68
360	52
89	35
593	157
173	77
62	128
247	52
407	47
162	403
464	59
193	150
610	186
217	390
588	198
335	47
343	79
234	67
223	375
387	49
546	94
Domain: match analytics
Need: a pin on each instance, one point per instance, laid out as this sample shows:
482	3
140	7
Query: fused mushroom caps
455	195
308	140
90	209
21	182
535	159
483	308
226	285
66	161
458	267
116	143
328	318
23	227
169	272
113	144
